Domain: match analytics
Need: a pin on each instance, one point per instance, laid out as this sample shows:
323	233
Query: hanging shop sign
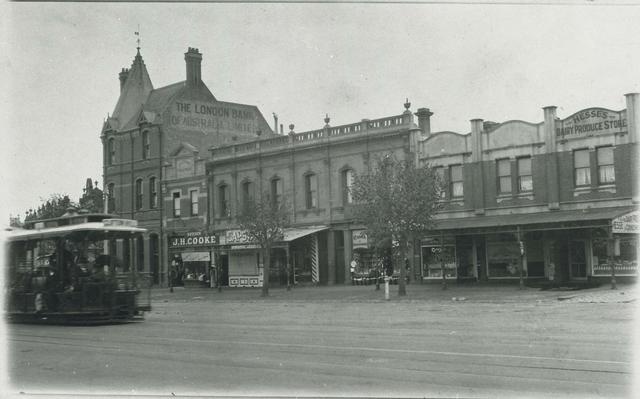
359	238
627	223
236	237
592	121
193	239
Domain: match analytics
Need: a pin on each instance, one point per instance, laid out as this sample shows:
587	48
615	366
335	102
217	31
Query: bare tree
263	221
396	202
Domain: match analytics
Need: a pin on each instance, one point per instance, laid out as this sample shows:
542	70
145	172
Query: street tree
263	221
396	201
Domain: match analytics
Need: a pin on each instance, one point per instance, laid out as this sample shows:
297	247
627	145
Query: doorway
578	259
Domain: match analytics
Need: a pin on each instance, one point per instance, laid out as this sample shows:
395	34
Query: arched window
223	201
139	194
111	151
111	199
153	193
311	190
146	145
347	182
247	193
276	191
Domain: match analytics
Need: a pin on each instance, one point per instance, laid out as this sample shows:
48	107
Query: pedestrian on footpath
353	271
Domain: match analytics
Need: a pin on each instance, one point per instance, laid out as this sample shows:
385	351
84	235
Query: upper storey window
146	145
153	193
581	168
111	151
276	191
525	178
139	194
504	176
223	201
442	180
311	190
606	170
347	182
455	181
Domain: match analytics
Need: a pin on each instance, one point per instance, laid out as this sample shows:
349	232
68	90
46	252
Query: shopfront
562	247
191	258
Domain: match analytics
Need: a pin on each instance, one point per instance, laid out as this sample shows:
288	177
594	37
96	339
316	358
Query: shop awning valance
293	233
592	217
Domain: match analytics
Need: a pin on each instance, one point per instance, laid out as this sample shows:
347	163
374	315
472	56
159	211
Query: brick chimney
193	58
424	120
124	74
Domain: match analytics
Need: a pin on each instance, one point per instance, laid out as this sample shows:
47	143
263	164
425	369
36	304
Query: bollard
386	288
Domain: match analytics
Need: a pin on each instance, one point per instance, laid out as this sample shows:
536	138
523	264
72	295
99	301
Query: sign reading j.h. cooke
193	239
592	121
213	116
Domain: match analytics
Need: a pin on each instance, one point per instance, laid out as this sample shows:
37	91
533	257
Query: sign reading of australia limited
213	116
592	121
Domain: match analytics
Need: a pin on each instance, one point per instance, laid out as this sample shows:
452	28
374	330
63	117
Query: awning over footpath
293	233
590	217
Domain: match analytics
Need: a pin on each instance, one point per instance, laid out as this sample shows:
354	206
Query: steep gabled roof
134	93
160	98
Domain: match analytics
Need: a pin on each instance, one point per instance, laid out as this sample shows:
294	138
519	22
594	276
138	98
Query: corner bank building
557	198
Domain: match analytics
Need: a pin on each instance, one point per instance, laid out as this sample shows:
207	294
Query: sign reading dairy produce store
193	239
592	121
205	116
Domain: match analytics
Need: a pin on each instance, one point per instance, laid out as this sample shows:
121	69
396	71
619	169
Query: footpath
478	293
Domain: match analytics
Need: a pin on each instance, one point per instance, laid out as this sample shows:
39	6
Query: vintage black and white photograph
396	199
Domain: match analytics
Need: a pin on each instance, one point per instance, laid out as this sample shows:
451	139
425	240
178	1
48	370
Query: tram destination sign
592	121
193	239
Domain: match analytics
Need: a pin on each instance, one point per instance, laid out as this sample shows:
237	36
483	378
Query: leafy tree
263	221
54	207
396	202
57	204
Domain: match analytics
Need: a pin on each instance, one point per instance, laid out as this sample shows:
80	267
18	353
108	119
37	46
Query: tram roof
100	228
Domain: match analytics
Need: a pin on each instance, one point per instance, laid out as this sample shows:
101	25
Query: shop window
111	199
504	176
193	196
606	170
503	256
176	204
311	190
347	182
139	194
111	151
153	193
276	191
223	201
146	145
525	179
581	167
455	181
434	256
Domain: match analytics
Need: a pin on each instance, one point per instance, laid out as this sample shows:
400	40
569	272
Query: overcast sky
352	61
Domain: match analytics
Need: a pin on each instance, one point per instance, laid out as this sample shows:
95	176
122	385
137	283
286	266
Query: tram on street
65	271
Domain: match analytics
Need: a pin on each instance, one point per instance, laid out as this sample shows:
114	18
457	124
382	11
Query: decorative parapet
303	138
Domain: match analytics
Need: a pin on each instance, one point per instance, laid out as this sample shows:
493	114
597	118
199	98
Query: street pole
521	258
386	287
610	255
442	269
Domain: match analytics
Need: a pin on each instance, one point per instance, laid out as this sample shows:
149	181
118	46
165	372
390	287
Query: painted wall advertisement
214	116
592	121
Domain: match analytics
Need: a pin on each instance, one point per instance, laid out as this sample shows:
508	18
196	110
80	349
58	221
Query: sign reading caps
592	121
213	116
193	239
236	237
627	223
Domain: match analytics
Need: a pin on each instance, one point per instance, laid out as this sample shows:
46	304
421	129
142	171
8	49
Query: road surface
339	341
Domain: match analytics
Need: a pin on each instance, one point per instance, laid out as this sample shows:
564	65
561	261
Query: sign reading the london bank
193	239
213	116
592	121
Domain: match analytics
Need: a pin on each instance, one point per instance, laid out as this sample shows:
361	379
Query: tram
64	271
